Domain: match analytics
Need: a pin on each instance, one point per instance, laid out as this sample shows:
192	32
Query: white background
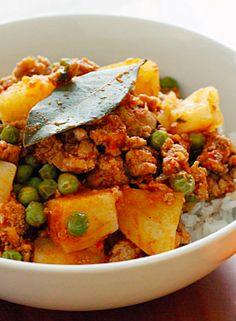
215	18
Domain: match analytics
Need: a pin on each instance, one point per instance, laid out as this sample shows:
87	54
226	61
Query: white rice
232	136
208	217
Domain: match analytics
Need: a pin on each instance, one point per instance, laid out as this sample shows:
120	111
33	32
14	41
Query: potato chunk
99	206
45	251
150	219
148	81
7	174
17	100
198	112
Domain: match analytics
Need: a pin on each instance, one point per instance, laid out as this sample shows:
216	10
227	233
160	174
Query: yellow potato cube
148	81
148	219
7	174
99	206
198	112
17	100
45	251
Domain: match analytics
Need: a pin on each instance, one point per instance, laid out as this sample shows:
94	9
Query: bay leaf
86	98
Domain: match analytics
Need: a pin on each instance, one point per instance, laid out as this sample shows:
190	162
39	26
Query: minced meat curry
114	187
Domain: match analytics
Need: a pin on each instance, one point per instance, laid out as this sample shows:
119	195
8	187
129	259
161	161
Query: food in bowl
105	164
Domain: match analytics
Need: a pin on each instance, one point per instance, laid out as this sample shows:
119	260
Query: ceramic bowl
195	61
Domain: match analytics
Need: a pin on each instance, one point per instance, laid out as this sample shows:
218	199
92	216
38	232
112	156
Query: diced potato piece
148	220
148	81
99	206
45	251
198	112
169	103
17	100
7	174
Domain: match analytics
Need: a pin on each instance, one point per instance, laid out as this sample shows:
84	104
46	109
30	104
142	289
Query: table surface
214	297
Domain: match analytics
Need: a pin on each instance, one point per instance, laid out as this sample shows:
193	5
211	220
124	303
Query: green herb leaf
85	99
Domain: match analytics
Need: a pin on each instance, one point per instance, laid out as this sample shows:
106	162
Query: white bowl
194	60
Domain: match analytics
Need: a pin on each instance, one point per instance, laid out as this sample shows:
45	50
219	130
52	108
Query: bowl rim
135	263
50	16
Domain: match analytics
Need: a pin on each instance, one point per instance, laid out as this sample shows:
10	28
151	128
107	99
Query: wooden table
211	299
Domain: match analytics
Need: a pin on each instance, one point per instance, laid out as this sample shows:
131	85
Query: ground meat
64	72
232	172
216	153
79	67
26	250
111	240
139	121
182	139
9	153
232	161
109	172
12	214
74	136
6	82
155	186
140	162
152	102
124	250
182	236
134	142
111	133
220	185
201	185
80	157
80	134
20	124
12	228
30	66
175	158
47	149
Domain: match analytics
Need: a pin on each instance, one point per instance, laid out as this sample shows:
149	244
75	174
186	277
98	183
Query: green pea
28	194
34	214
65	62
12	255
32	161
23	173
77	224
68	183
54	64
158	138
47	188
17	188
48	171
10	134
191	198
197	140
34	182
168	82
184	184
